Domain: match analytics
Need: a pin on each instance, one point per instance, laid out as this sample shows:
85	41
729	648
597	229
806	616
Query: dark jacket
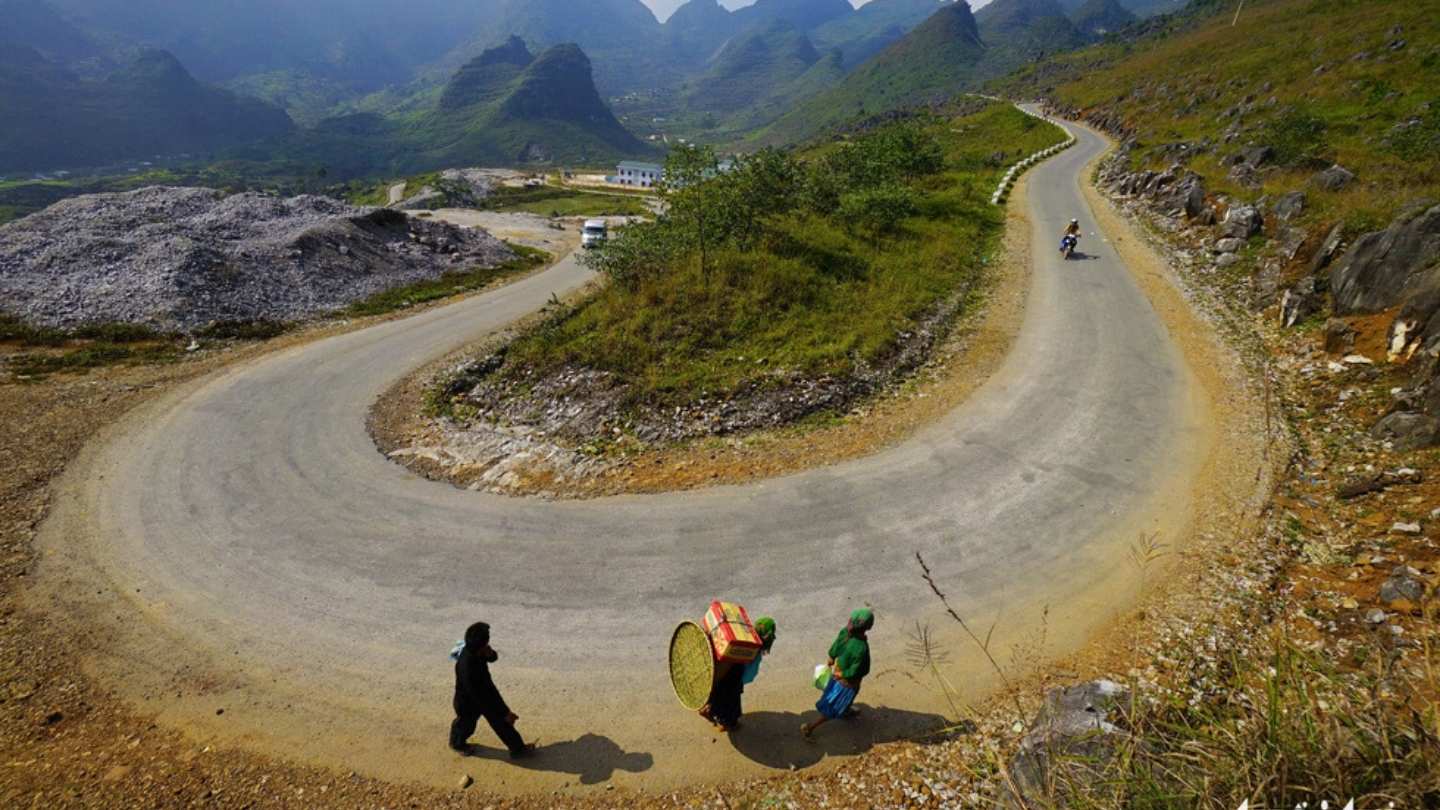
475	692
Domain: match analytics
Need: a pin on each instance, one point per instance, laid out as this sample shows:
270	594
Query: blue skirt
835	700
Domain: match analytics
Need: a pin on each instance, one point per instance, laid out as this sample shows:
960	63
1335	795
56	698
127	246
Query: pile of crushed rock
183	258
457	188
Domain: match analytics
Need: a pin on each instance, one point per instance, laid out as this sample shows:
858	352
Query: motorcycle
1068	244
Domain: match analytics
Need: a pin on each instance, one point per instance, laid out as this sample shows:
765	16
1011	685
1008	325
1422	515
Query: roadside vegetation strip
794	267
572	203
1002	191
452	283
547	199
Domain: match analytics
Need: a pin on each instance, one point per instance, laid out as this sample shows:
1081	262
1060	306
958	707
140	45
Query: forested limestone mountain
752	66
505	107
700	28
1018	31
364	42
874	26
35	24
696	32
486	77
56	118
805	15
619	35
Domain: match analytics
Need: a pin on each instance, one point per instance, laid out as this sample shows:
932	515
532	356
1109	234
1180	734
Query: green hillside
934	61
1318	81
152	106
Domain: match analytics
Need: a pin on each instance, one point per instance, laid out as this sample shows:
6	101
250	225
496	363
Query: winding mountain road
248	548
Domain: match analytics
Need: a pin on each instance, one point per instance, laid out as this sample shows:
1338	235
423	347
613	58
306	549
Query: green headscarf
765	627
861	620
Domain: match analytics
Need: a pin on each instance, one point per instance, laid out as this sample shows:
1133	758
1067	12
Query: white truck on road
594	233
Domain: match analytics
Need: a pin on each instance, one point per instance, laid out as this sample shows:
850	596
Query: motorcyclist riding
1070	239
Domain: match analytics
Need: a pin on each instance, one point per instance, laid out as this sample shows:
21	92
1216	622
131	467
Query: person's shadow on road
591	757
773	738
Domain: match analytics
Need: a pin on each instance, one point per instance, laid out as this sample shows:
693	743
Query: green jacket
852	657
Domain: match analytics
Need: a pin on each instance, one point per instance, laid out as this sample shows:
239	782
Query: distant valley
276	92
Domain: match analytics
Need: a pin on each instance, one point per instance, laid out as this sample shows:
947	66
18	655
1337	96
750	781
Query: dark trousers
464	727
725	696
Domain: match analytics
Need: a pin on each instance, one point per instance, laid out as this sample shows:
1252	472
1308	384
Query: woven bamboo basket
692	665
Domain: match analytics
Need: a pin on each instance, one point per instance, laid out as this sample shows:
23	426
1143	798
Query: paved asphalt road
257	522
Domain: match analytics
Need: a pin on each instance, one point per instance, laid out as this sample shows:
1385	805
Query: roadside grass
547	200
453	283
1289	728
818	295
93	355
1320	81
1275	721
581	204
86	347
245	330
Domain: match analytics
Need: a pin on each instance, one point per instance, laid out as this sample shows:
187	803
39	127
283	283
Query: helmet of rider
1074	221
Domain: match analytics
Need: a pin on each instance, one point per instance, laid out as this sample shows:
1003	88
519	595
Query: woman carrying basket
849	664
725	705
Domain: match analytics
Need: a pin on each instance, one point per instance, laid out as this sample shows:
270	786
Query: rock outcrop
457	188
182	258
1383	269
1076	732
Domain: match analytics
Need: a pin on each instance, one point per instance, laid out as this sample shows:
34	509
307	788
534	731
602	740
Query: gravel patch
181	258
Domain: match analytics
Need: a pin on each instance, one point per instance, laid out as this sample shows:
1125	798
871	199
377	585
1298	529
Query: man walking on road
477	697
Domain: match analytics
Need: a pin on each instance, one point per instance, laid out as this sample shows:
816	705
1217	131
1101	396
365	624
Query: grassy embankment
41	351
1352	82
835	258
